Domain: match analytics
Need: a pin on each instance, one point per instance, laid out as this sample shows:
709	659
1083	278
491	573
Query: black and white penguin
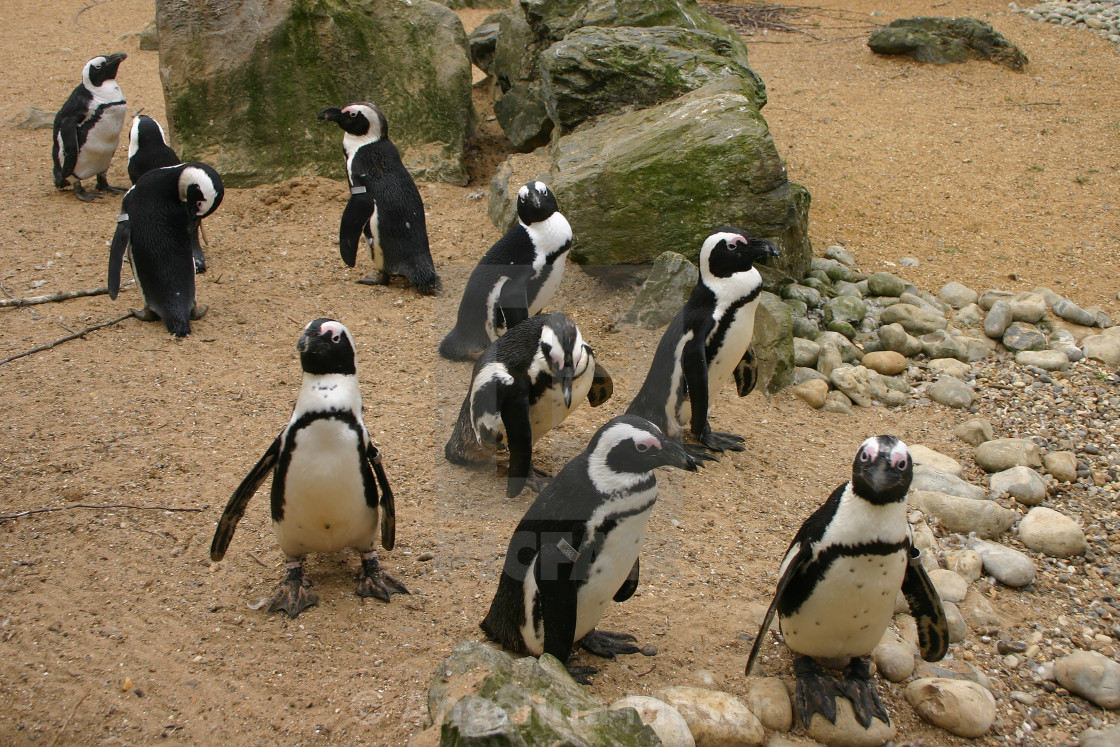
384	203
525	384
515	278
577	546
88	128
707	342
329	487
839	579
157	227
147	150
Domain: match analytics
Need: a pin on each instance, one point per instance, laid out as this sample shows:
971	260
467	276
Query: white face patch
194	175
869	449
523	193
900	456
556	350
541	187
334	329
605	479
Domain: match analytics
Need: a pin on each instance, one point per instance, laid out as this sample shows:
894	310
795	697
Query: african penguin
326	475
88	128
525	384
147	150
839	579
384	203
157	227
515	278
577	546
708	340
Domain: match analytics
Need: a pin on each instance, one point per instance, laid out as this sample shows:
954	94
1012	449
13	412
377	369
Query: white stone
1007	565
667	721
714	717
1052	533
950	585
769	700
927	457
960	707
1091	675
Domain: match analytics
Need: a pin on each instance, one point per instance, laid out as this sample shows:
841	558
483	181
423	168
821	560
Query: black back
151	151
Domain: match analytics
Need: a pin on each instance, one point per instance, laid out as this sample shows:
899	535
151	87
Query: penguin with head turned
157	229
577	546
88	128
516	278
839	580
525	384
707	342
329	487
384	205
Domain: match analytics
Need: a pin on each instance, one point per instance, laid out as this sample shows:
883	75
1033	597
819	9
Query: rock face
664	292
772	344
945	40
243	82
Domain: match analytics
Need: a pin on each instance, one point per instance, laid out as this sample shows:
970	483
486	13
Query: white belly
551	284
609	570
101	143
375	242
549	411
325	504
735	344
850	608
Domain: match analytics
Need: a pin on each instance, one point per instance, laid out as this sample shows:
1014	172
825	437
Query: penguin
329	487
384	203
147	150
708	341
158	221
577	546
525	384
839	580
88	128
516	278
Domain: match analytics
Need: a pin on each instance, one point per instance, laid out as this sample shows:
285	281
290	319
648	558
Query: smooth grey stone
958	628
805	352
916	299
828	359
1027	307
894	337
838	402
845	309
844	288
975	431
1106	737
893	657
932	300
986	518
797	309
665	290
998	319
847	731
801	374
885	284
976	348
949	367
841	255
805	328
952	392
950	585
1048	295
1052	533
1007	565
940	344
909	262
713	716
1048	360
929	478
1091	675
853	381
1004	453
1021	483
1023	336
1103	348
811	297
924	456
848	352
958	295
1061	465
967	563
959	707
989	297
1071	312
769	701
969	316
914	320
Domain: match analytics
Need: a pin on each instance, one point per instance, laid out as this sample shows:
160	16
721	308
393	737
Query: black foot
104	186
145	314
294	594
699	454
198	312
717	441
816	691
859	690
609	645
538	480
374	582
375	278
430	289
83	195
581	674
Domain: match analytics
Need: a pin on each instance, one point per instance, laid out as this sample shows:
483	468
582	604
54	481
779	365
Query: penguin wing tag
926	608
746	374
121	239
569	552
387	505
800	556
235	509
355	217
602	387
357	190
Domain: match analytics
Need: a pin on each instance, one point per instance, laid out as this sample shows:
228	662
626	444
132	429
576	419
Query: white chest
609	570
736	340
550	411
101	142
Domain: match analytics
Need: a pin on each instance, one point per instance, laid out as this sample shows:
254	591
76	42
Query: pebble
958	295
950	585
895	337
952	392
909	262
885	362
805	352
838	402
1052	533
975	431
986	518
1103	348
814	393
1061	465
914	320
885	284
769	700
1023	336
967	563
841	255
941	344
950	367
1091	675
1005	564
893	657
854	382
1004	453
1021	483
997	320
1071	312
927	477
1027	307
847	309
960	707
847	732
989	298
667	721
924	456
958	628
969	316
1048	360
714	717
828	359
1109	737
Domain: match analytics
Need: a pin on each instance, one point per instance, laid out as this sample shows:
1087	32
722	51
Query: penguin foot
717	441
861	692
104	186
537	481
816	691
198	312
294	594
699	454
609	645
375	278
581	674
374	582
83	195
145	314
432	288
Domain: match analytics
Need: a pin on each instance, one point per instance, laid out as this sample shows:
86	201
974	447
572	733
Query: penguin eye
353	114
865	456
642	448
900	462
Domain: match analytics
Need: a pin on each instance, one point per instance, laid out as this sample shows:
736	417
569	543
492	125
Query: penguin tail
455	348
428	283
178	327
463	446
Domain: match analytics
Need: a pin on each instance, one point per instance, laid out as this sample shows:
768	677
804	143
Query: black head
562	348
361	119
535	202
629	447
729	250
325	347
145	133
200	189
882	470
102	68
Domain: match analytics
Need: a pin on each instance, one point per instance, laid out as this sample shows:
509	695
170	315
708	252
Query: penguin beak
332	113
674	455
112	62
566	386
763	248
303	343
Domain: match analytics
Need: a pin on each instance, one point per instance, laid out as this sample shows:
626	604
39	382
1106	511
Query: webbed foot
145	314
816	691
609	645
198	312
375	278
581	674
104	186
294	594
83	195
374	582
717	441
861	692
699	454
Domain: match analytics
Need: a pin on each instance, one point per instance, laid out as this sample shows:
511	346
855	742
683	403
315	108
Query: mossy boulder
244	79
944	40
772	344
663	294
554	19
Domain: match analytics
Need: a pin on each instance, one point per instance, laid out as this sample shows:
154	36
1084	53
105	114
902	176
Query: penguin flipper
558	598
121	239
630	585
66	130
514	300
387	505
355	218
798	557
235	509
746	373
602	387
519	440
694	366
925	607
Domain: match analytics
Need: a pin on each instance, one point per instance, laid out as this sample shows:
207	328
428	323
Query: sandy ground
114	625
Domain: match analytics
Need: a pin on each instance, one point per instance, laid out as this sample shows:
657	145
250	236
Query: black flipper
235	509
694	363
355	218
558	596
630	585
925	607
121	239
519	440
602	387
746	374
792	569
514	302
68	158
387	506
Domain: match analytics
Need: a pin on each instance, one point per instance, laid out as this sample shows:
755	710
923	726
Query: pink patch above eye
334	329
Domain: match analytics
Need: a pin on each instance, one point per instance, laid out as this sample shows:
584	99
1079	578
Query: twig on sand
21	514
69	716
83	10
60	296
61	340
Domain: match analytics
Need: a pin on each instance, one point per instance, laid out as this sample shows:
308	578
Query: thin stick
60	296
21	514
253	555
61	340
68	717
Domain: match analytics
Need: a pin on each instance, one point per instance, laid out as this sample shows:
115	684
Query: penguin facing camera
148	150
384	205
88	128
839	579
578	546
516	278
708	342
157	228
329	487
525	384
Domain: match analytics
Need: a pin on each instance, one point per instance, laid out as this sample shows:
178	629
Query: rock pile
1099	16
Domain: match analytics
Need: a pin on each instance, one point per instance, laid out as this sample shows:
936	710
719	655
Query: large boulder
244	79
944	40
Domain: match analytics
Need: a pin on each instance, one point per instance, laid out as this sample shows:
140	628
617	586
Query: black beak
113	61
764	248
674	455
566	387
333	113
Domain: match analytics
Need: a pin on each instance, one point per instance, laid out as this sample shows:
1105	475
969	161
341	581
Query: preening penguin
577	546
148	150
329	488
515	278
384	204
88	128
157	227
708	341
839	579
525	384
